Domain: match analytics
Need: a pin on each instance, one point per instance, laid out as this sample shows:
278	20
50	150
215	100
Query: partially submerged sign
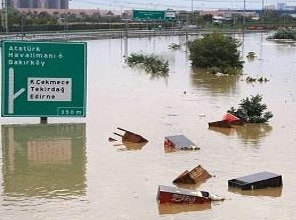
43	79
227	121
168	194
196	175
179	142
257	181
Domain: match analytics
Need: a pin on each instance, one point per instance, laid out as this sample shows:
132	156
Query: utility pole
262	13
22	27
244	15
4	15
191	12
187	21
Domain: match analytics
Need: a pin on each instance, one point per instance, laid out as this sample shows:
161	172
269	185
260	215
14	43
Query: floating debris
230	118
197	175
257	181
227	121
129	136
251	55
179	142
168	194
175	46
261	79
251	79
110	139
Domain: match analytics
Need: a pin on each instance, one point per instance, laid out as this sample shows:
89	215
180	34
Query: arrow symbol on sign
11	95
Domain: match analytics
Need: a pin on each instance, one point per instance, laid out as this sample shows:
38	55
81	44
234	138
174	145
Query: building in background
285	7
64	4
48	4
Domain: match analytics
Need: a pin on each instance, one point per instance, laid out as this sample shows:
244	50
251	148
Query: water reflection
45	161
225	131
125	48
128	146
270	192
253	133
249	133
214	84
164	209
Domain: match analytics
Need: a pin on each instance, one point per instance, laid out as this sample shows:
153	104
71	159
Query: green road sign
43	79
148	15
154	15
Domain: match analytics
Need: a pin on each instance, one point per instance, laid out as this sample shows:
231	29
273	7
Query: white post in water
11	95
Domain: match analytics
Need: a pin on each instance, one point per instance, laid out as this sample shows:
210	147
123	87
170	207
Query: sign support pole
43	120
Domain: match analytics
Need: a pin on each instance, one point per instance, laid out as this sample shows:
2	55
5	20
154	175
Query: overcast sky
174	4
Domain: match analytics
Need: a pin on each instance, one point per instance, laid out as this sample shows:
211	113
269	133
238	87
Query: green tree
272	16
284	34
14	17
45	18
208	17
251	110
216	50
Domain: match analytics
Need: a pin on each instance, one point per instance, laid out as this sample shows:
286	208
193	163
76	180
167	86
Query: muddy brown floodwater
69	170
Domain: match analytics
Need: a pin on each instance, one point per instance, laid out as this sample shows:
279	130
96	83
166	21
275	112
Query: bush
216	50
150	63
251	110
284	34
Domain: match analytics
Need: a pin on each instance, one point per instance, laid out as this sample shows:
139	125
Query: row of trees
33	18
274	17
